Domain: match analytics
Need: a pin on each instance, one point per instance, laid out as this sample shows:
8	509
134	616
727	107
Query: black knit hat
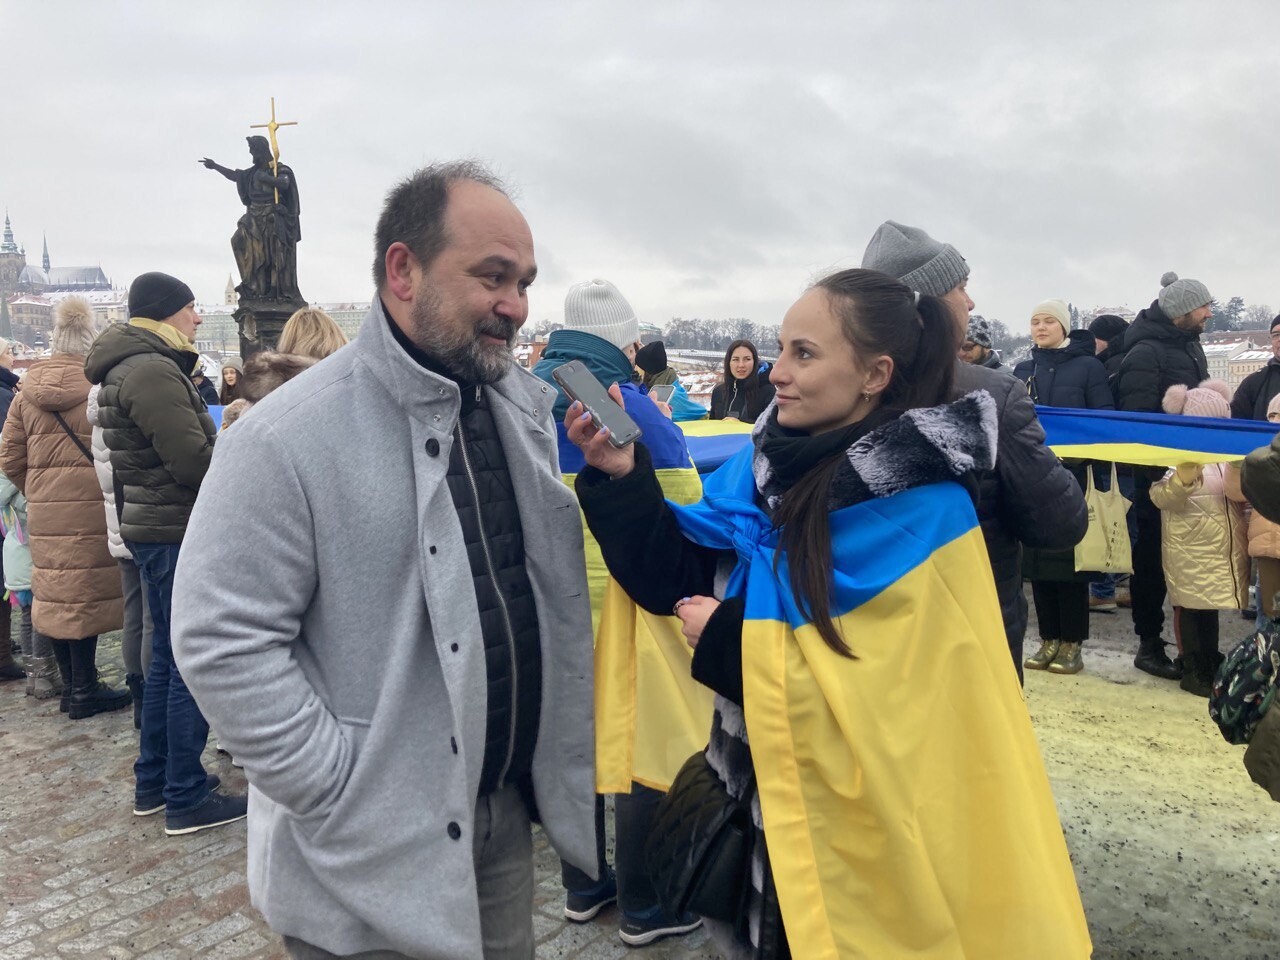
652	358
158	296
1107	327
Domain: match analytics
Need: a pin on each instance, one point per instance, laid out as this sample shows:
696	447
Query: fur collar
922	446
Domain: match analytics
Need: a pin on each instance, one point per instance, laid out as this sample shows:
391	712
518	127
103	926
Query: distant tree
544	328
1258	317
1075	316
1001	338
1228	316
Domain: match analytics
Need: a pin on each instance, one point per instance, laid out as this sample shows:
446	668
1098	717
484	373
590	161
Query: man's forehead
478	215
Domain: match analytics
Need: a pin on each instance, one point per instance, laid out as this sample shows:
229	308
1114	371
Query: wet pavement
1174	848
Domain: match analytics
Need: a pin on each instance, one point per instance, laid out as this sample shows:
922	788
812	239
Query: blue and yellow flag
906	807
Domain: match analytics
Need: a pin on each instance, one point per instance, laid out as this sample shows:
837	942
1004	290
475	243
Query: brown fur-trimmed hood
267	370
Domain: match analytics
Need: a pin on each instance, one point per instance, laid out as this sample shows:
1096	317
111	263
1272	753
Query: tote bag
1105	547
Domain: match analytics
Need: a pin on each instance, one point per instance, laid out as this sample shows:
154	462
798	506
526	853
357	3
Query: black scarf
792	453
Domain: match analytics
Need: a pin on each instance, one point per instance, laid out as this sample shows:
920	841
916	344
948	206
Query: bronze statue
266	238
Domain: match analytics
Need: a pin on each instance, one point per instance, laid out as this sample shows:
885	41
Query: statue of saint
266	238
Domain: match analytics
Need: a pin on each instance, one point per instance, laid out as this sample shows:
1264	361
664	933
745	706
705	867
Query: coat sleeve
13	451
640	540
1042	504
1260	480
1097	390
1246	396
160	405
1231	483
1170	493
1138	383
237	656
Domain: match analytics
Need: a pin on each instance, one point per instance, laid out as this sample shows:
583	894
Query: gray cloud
710	158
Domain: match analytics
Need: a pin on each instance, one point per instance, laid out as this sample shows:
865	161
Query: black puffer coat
745	405
1030	498
1070	376
1157	356
1256	391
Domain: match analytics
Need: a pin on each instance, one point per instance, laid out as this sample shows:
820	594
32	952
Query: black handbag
698	855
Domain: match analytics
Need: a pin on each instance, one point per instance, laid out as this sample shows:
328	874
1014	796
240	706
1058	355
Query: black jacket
8	384
484	498
748	407
1030	497
1067	377
208	392
1157	356
1256	391
1111	359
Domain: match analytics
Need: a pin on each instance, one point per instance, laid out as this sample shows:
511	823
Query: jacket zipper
502	603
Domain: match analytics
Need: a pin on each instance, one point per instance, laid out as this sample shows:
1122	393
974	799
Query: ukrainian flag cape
906	808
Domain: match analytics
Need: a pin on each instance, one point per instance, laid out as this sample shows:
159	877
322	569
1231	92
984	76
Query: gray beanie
1180	297
912	256
979	331
596	307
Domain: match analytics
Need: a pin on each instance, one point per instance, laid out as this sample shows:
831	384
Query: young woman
742	394
1062	371
232	371
311	333
833	584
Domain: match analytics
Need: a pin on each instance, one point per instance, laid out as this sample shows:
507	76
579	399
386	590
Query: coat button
433	447
454	744
455	831
453	647
433	551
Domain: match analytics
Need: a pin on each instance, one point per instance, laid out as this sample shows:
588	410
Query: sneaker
1124	599
218	809
1041	659
1068	659
642	931
582	907
145	806
1102	604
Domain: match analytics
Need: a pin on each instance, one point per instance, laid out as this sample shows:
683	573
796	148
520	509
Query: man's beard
457	345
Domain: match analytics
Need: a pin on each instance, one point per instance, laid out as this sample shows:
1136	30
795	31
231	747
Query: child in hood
1203	541
42	671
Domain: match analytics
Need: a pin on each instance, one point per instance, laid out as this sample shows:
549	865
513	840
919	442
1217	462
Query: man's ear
401	267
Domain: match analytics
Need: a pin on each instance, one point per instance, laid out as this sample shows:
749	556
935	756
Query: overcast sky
709	158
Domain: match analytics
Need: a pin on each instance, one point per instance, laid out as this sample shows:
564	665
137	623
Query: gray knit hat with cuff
596	307
912	256
1180	297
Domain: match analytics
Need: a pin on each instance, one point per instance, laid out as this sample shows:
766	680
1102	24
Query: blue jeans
174	731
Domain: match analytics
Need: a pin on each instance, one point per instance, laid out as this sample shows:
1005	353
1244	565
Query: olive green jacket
1260	478
157	428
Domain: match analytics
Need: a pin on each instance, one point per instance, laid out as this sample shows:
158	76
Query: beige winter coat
1203	543
75	580
1264	536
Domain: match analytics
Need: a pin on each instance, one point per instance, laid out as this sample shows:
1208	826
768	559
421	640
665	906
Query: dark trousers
174	731
632	819
1062	609
1199	630
1146	586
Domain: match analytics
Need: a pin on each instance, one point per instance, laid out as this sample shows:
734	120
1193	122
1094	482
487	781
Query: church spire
44	261
8	246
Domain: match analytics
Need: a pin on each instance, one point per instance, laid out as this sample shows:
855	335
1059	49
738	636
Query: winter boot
1152	659
136	683
43	681
9	669
1041	659
89	695
1068	659
1199	663
62	654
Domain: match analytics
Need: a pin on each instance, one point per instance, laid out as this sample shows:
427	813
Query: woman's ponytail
929	376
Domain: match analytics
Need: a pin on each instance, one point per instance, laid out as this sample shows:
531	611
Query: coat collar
427	396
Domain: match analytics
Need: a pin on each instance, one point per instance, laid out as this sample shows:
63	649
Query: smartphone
662	392
579	384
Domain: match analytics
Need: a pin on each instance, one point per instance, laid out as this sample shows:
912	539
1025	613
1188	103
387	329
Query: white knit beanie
1058	310
596	307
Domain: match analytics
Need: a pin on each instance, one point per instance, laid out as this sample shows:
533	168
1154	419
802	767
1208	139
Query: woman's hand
594	442
664	408
694	612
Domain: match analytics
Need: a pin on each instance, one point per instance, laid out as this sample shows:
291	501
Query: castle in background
28	293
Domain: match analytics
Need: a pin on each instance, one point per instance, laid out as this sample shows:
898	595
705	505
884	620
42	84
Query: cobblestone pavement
1173	847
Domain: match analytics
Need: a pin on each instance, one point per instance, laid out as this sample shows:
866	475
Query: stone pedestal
261	321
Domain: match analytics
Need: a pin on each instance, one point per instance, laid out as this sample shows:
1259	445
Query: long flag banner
1145	439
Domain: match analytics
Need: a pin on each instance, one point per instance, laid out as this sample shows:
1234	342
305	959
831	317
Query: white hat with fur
74	327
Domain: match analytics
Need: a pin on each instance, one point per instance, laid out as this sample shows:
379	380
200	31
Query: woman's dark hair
751	382
879	317
229	392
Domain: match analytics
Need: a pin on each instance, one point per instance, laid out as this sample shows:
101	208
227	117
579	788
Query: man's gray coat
330	634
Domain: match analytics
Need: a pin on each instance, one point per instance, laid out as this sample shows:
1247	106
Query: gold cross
271	128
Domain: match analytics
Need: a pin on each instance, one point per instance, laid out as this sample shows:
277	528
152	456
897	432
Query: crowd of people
409	677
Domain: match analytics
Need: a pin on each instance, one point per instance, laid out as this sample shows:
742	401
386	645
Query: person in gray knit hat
922	263
596	307
977	348
1029	498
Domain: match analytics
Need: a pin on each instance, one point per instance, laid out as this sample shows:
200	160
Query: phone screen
663	392
579	383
